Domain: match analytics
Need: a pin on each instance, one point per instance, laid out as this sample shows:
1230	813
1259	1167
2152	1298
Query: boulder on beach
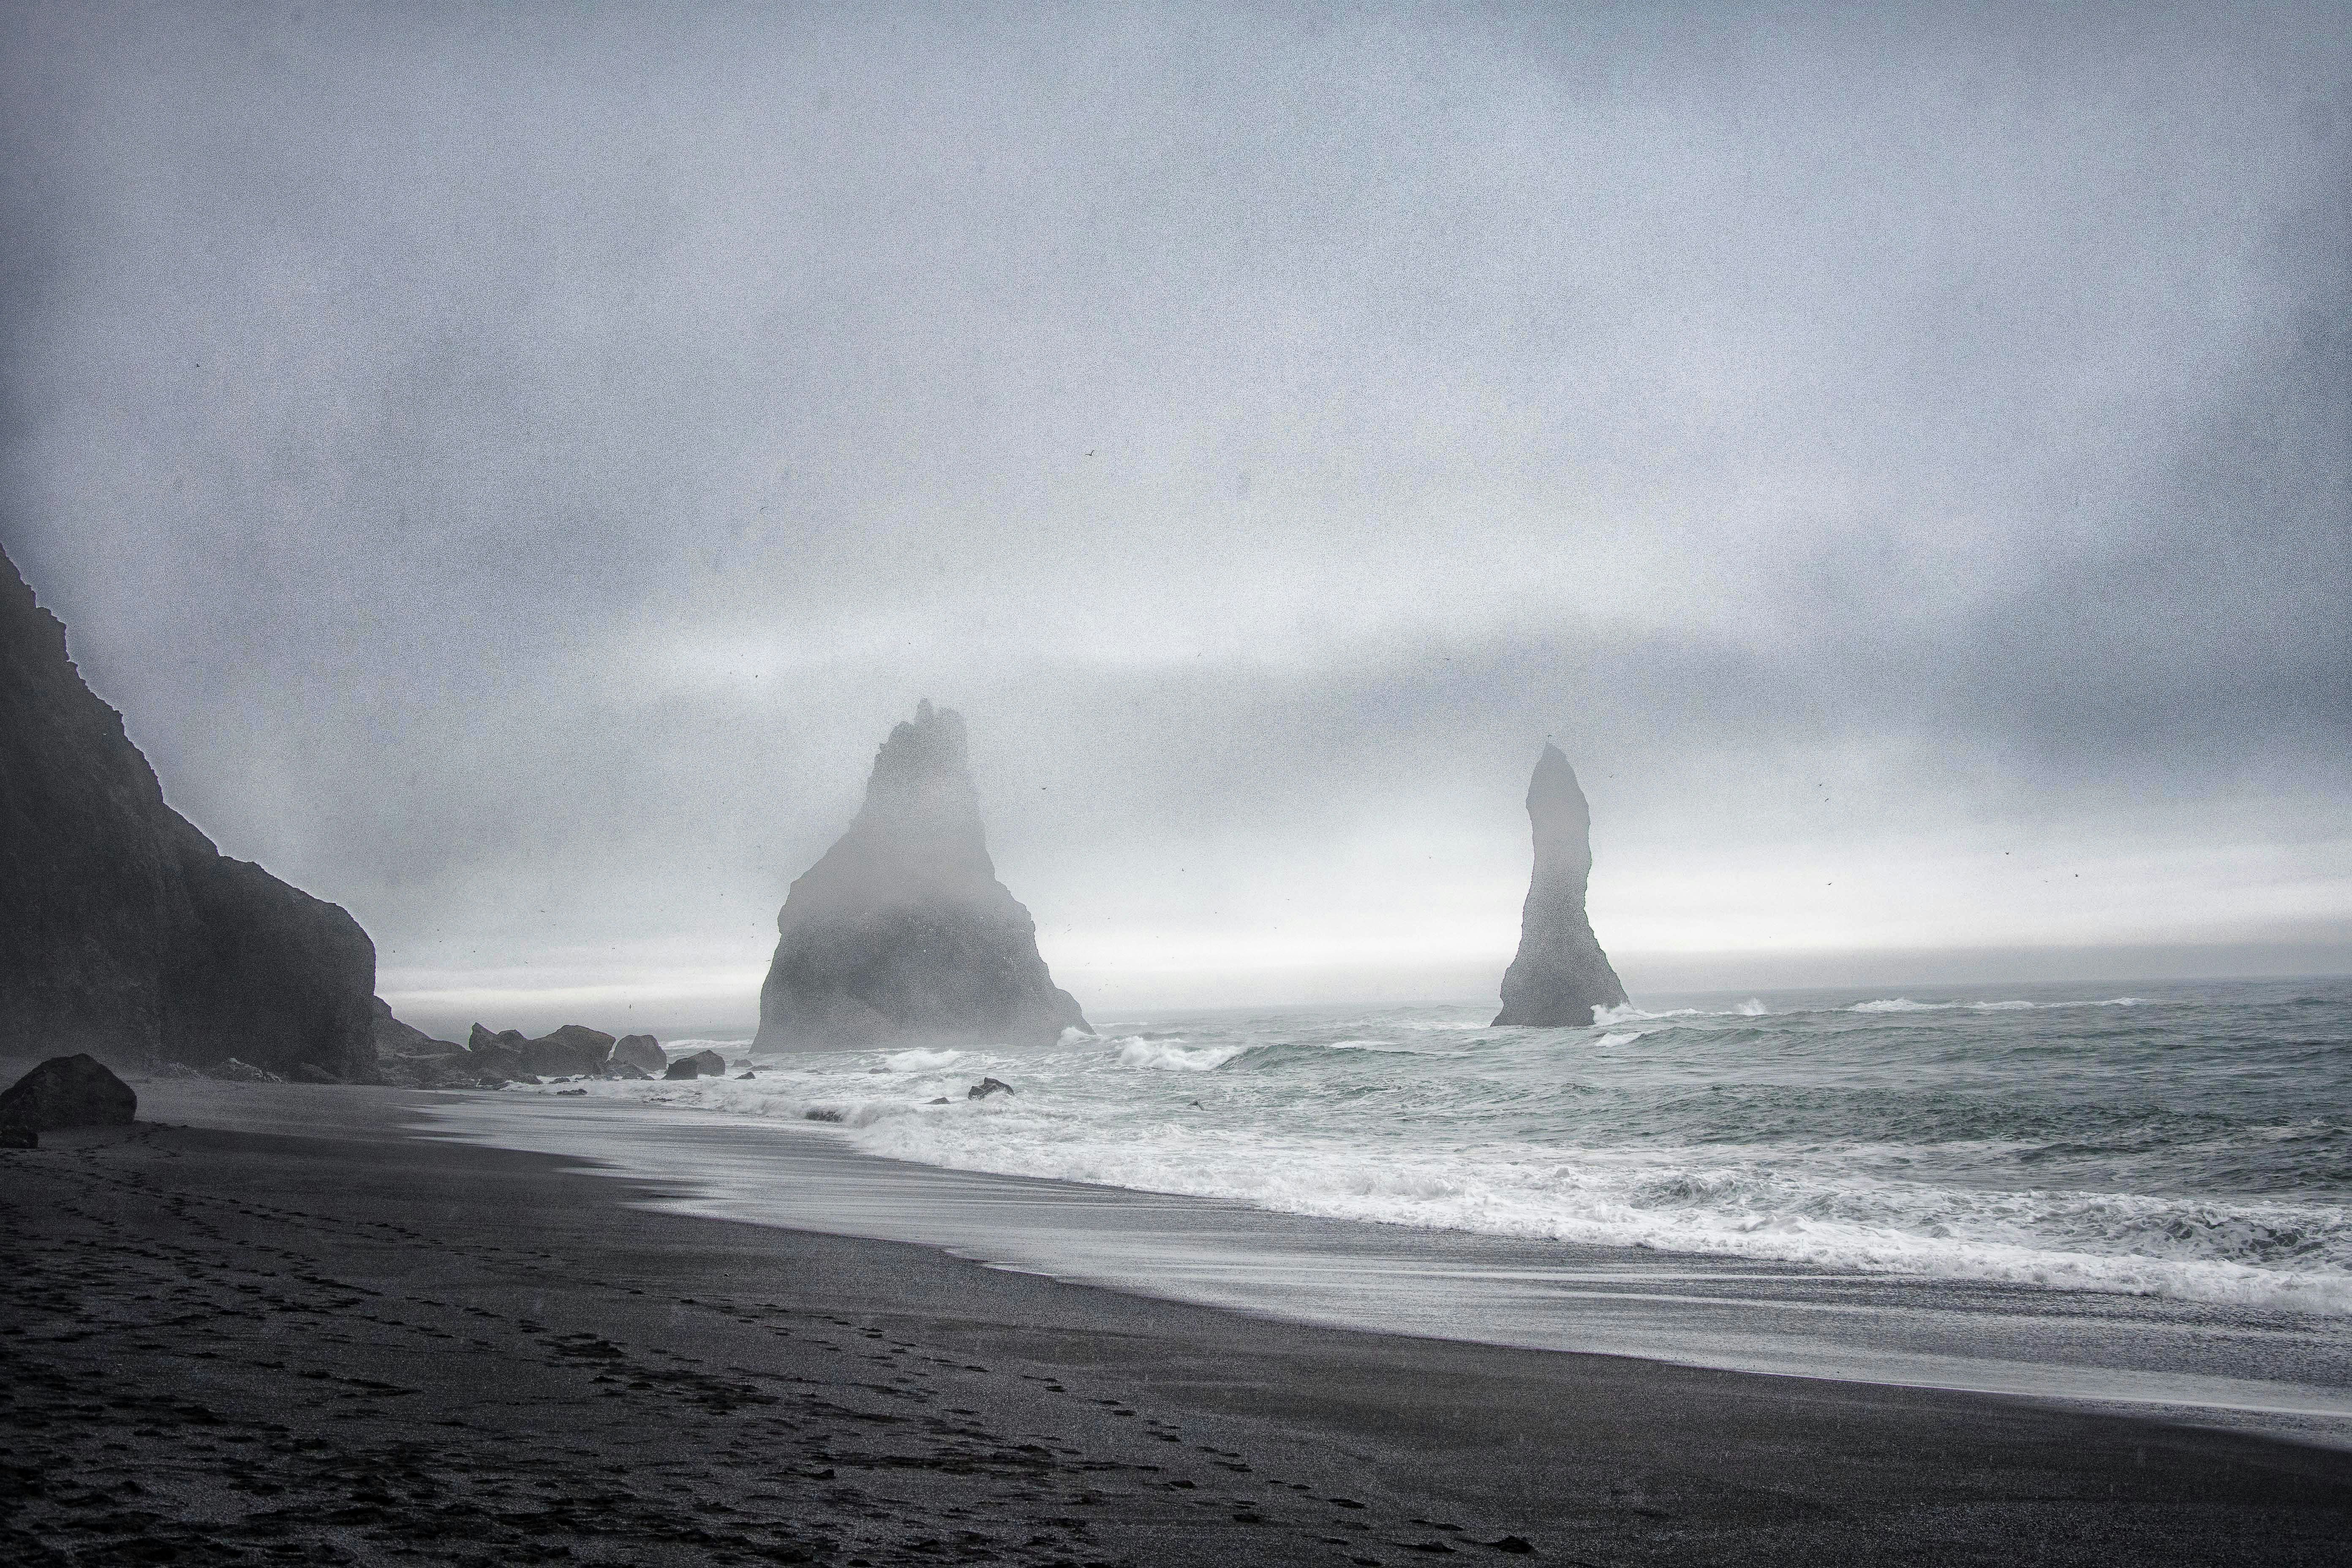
1561	974
701	1064
901	933
642	1052
305	1073
125	932
14	1136
68	1091
231	1070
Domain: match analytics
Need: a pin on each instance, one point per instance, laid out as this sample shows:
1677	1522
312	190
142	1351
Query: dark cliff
1561	974
901	932
123	931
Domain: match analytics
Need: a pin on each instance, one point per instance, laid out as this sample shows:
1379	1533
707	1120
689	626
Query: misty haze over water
508	467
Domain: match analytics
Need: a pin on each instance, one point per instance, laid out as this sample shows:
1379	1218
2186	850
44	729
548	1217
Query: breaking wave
2201	1149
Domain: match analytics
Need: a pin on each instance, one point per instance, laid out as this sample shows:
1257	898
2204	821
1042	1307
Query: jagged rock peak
901	930
1561	974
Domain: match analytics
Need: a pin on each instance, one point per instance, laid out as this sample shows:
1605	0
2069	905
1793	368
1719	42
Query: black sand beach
342	1343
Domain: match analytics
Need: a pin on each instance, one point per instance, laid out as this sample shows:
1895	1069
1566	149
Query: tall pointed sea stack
902	933
123	932
1561	974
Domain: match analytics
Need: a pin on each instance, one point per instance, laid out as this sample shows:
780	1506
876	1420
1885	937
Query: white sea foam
921	1061
1789	1135
1752	1008
1172	1055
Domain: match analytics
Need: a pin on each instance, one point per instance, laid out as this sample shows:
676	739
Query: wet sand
343	1342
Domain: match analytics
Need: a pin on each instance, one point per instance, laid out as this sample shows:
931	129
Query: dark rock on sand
16	1137
901	932
642	1052
458	1071
1561	974
68	1091
231	1070
701	1064
305	1073
987	1087
125	932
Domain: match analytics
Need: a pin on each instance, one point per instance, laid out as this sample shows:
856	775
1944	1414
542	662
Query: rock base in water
1561	974
902	934
642	1052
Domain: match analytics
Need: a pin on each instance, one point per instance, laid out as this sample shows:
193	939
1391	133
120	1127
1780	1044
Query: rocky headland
1561	974
901	932
125	933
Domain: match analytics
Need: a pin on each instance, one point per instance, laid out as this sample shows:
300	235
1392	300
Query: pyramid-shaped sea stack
902	934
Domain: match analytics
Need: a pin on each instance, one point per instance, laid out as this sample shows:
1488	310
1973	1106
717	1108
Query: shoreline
348	1339
2272	1371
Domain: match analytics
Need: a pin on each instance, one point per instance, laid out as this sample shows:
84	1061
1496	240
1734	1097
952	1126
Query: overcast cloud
511	465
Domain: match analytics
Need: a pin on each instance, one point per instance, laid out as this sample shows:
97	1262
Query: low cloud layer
511	469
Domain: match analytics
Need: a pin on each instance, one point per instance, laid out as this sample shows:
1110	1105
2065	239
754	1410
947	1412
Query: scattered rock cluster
491	1058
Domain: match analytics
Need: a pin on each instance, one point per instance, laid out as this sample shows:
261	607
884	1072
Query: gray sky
511	465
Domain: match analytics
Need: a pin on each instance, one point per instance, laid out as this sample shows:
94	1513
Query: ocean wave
2255	1255
1173	1055
921	1060
1629	1014
2192	1151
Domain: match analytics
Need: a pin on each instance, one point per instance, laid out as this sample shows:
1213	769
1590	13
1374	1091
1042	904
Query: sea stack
902	934
123	932
1561	974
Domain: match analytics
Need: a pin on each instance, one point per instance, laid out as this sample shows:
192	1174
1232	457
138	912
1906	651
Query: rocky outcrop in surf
124	931
901	932
1561	974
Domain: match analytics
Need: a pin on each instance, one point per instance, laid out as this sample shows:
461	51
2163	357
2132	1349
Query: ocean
2137	1193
